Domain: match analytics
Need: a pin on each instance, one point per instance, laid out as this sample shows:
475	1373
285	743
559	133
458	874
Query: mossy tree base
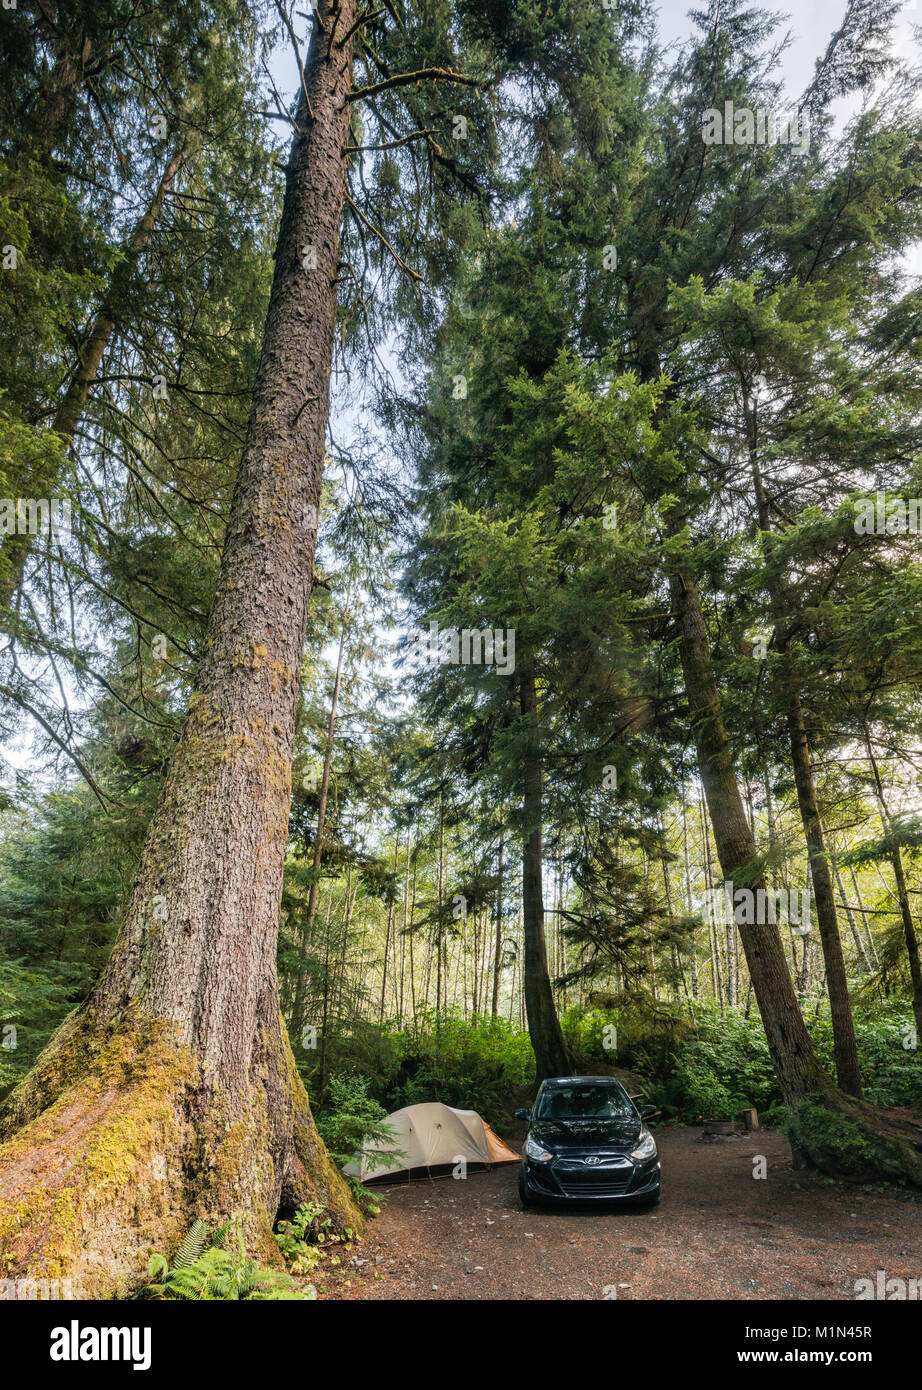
847	1138
136	1145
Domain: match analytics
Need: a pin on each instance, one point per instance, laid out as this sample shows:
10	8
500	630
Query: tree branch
406	79
383	239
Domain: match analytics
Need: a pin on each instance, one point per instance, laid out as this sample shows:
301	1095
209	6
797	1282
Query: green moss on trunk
135	1147
93	1182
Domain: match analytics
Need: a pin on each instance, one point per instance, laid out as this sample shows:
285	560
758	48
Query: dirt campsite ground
718	1233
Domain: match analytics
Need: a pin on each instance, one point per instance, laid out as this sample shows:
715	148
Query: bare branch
406	79
297	50
391	144
383	239
84	771
362	20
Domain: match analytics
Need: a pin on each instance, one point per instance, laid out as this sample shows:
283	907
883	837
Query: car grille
598	1180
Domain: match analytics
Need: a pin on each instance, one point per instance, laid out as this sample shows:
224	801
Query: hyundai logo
591	1162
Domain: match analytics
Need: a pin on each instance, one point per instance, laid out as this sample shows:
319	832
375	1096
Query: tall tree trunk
902	893
403	933
863	963
551	1057
805	979
732	991
520	928
439	931
297	1011
845	1046
410	942
884	1145
713	941
172	1093
497	960
868	934
351	896
561	941
692	954
773	849
677	966
795	1062
387	934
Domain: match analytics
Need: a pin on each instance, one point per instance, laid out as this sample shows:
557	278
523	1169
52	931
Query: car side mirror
523	1114
647	1110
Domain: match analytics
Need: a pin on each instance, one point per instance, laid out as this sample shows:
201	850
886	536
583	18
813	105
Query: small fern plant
203	1272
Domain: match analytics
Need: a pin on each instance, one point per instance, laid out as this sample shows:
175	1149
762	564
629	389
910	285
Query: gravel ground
718	1233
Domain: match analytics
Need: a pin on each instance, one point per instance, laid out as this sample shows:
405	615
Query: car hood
559	1136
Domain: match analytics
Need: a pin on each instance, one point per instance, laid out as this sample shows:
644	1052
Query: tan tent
433	1136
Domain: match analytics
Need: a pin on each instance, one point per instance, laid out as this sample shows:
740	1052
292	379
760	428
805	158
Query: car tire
524	1197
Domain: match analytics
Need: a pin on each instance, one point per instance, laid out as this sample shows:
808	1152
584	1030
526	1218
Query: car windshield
593	1100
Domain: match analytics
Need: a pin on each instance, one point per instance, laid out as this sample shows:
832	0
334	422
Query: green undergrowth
202	1270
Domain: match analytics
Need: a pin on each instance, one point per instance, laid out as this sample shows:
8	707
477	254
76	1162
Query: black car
587	1141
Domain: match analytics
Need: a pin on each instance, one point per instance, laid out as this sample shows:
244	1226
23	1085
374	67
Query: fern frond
202	1272
196	1240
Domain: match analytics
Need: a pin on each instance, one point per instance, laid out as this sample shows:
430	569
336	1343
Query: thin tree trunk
863	962
327	928
439	931
676	958
520	929
387	935
497	961
845	1046
403	933
351	898
716	985
412	916
297	1012
773	848
732	998
868	935
902	893
543	1024
806	968
688	898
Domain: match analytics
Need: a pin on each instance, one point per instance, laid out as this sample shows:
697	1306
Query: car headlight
645	1146
537	1152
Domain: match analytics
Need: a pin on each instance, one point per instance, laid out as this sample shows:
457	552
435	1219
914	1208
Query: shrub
467	1063
725	1064
646	1034
354	1119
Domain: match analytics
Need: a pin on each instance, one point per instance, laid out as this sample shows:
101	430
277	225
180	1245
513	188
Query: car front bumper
573	1180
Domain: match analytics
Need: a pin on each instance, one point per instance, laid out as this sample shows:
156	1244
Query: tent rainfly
432	1136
